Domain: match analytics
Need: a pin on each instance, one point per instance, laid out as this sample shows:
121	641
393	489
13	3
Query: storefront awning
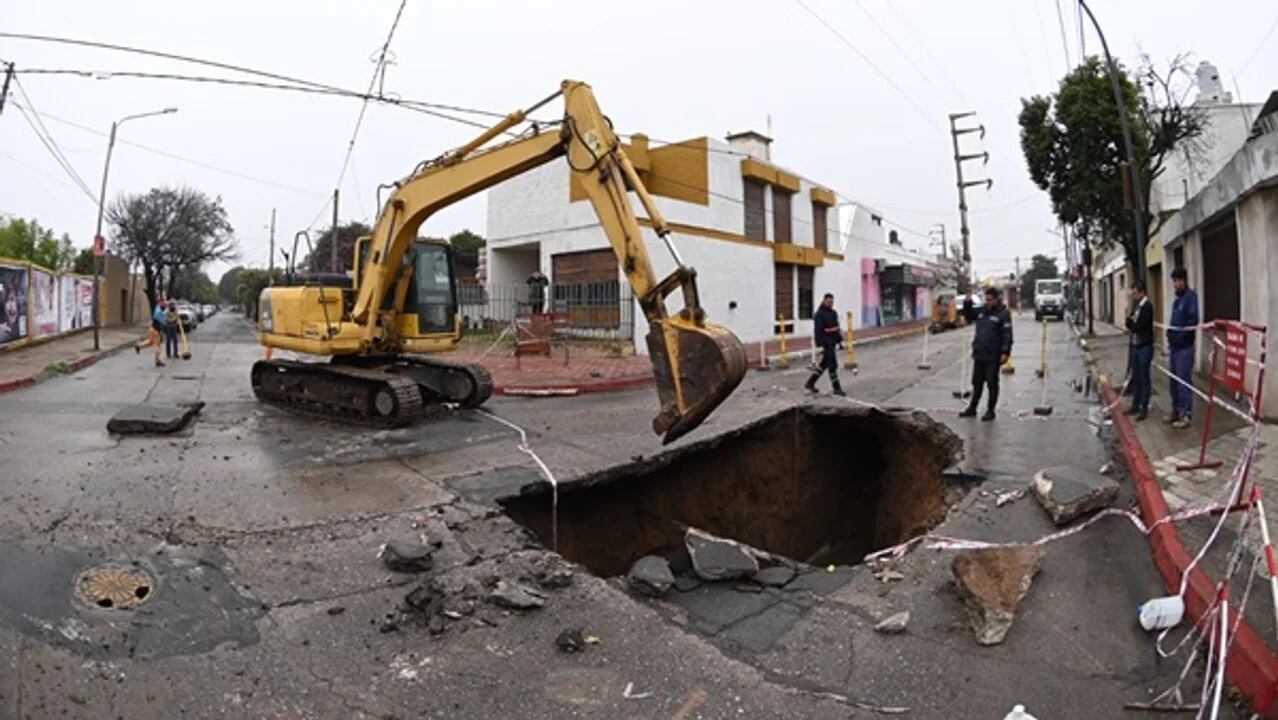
906	274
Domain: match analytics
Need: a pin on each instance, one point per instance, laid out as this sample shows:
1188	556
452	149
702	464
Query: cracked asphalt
262	533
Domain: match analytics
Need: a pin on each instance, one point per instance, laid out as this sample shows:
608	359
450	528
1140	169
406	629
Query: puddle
818	484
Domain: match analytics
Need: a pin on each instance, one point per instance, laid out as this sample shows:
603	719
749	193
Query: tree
1041	267
194	285
28	240
318	260
228	285
168	231
251	282
1073	144
84	262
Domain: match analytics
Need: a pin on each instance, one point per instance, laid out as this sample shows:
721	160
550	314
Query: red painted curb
10	385
1251	665
597	387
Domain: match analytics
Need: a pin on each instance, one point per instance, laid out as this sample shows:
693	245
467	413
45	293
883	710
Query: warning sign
1235	355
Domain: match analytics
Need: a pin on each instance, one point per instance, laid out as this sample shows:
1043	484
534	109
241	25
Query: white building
765	241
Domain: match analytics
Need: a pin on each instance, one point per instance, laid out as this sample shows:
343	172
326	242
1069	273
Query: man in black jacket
991	347
825	329
1141	325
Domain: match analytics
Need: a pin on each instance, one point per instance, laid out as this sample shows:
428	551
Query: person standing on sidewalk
1180	345
171	320
991	348
826	334
1141	325
155	336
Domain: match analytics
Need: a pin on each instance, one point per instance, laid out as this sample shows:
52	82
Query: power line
1259	45
46	139
172	156
926	51
882	30
1060	20
46	175
866	58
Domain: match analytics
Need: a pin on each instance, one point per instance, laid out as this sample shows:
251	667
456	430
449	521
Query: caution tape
1246	417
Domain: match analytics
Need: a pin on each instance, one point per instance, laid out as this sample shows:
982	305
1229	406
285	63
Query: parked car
186	313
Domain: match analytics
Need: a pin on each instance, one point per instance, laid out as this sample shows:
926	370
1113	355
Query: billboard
67	300
84	309
45	298
13	304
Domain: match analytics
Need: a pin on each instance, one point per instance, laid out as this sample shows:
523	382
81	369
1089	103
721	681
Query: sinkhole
815	483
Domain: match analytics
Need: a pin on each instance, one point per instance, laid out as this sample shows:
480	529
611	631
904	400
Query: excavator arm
696	364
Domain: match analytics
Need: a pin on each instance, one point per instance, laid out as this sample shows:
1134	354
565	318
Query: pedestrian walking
826	334
156	334
991	348
1180	345
171	320
1141	325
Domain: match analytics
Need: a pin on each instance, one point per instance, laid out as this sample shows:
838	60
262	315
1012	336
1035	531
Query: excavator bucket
696	368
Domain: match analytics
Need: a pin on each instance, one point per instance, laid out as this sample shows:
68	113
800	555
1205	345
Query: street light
99	251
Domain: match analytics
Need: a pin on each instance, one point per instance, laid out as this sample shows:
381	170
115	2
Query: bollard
763	356
923	363
850	363
1043	409
783	361
963	391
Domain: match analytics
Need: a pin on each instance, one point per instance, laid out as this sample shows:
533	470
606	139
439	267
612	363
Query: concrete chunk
716	558
894	624
1067	493
991	583
650	575
776	576
152	419
516	596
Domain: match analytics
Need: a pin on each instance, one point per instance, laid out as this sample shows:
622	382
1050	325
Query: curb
599	387
1251	666
74	366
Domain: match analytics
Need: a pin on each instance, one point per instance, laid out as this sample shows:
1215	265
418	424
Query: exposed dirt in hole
816	483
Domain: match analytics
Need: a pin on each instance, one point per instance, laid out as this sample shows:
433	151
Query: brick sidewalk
27	365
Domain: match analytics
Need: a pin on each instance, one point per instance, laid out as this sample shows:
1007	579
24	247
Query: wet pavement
261	532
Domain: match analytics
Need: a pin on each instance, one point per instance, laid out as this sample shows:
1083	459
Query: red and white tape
1243	415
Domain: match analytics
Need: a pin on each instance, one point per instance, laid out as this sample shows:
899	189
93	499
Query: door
784	296
1220	272
586	288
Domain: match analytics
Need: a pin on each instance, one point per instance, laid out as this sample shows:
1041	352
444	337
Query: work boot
969	412
158	363
1142	415
810	385
838	391
989	415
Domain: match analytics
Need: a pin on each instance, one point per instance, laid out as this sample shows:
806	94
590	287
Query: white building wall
1227	129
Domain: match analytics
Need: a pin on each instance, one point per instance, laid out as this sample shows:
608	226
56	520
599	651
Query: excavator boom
696	364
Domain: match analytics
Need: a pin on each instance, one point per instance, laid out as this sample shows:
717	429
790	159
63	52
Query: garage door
1220	272
586	289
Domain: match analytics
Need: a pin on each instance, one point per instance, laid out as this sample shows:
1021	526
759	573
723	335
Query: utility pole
270	263
965	281
332	240
1133	170
4	91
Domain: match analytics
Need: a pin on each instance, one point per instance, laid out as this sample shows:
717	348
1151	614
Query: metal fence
603	311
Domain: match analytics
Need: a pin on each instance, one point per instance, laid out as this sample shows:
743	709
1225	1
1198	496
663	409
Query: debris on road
650	575
152	419
516	596
894	624
409	556
630	694
886	575
1004	498
775	576
1106	469
716	558
1067	493
991	582
571	641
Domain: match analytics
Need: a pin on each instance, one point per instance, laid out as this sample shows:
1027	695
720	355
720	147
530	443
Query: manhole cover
113	587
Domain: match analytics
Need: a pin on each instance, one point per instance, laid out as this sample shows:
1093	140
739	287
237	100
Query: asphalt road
260	534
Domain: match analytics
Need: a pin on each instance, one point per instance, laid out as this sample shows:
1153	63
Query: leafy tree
84	262
28	240
1073	144
228	285
250	283
195	285
1041	267
168	231
318	261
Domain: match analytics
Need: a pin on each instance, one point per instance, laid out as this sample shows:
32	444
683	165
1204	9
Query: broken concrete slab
1067	493
894	624
650	575
716	558
152	419
516	596
409	556
991	583
775	576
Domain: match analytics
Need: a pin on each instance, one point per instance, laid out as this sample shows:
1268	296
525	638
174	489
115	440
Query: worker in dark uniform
991	347
826	335
1141	325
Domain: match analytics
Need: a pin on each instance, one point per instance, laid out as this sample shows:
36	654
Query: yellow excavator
378	328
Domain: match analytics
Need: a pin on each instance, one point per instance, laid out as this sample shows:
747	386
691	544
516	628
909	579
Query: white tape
1246	417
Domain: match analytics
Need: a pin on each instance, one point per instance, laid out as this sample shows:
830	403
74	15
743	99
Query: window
755	215
781	215
432	292
1179	256
820	230
784	298
806	308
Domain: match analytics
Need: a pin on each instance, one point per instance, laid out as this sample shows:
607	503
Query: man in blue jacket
991	347
1180	345
825	329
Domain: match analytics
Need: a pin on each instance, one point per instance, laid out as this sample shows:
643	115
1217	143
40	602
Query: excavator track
372	391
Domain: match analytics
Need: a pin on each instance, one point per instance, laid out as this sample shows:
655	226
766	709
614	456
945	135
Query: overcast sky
670	69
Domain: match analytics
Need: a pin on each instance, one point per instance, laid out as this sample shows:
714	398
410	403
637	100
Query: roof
748	135
1270	107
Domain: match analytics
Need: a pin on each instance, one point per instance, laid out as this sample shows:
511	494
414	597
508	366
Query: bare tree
1172	122
168	231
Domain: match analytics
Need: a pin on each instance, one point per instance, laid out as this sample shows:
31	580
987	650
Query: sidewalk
33	363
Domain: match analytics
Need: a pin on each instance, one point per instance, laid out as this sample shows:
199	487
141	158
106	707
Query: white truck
1049	298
